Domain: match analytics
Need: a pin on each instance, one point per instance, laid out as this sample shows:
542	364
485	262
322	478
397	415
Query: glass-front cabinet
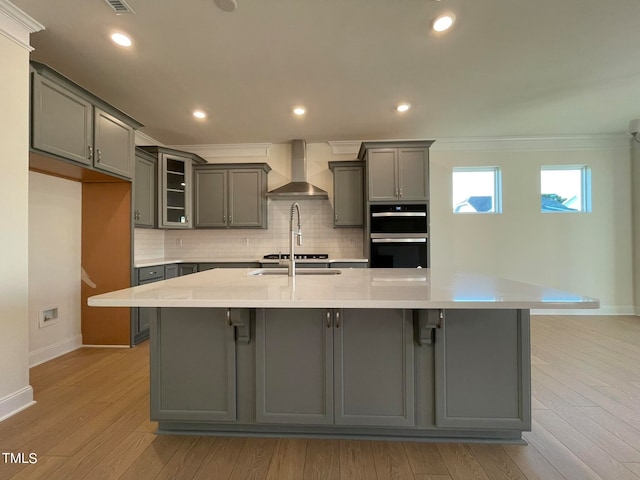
176	191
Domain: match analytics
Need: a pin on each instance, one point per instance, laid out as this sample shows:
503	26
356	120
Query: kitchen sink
299	271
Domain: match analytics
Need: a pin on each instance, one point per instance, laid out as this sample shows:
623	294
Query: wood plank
288	459
391	461
432	477
154	458
613	445
221	459
256	456
594	456
571	396
43	470
619	428
356	460
634	467
425	458
188	458
322	460
532	463
122	456
496	462
461	462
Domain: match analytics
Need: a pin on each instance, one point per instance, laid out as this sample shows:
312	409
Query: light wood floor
91	421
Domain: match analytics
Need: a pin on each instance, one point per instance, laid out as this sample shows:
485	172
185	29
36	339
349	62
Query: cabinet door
187	268
413	174
348	197
144	186
193	373
373	367
114	144
246	198
483	365
175	194
211	198
294	380
382	168
62	122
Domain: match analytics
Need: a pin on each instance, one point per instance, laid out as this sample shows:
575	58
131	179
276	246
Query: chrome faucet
292	257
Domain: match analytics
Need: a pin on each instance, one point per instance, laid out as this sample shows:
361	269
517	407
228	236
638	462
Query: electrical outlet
48	317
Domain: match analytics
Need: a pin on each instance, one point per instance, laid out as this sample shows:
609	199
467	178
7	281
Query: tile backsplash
318	235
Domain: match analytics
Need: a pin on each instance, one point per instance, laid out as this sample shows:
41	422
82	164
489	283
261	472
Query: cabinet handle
99	155
401	193
224	219
152	273
328	319
338	319
90	152
396	190
229	317
336	217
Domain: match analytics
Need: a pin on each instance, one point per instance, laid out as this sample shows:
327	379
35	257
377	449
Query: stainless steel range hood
298	188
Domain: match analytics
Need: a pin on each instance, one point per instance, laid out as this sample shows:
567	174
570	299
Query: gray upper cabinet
482	370
62	121
334	366
114	144
70	123
175	194
231	195
397	171
144	190
348	193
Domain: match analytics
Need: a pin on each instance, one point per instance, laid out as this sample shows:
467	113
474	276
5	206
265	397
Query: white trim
17	25
606	310
345	147
106	346
227	150
53	351
537	143
16	402
144	139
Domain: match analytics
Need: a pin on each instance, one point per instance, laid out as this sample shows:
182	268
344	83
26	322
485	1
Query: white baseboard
16	402
52	351
606	310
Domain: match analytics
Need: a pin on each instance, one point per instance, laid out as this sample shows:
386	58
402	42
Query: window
565	189
476	190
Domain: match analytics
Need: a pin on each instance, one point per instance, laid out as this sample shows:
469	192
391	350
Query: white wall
589	254
15	392
636	222
55	241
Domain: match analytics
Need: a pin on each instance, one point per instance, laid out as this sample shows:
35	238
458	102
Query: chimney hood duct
298	188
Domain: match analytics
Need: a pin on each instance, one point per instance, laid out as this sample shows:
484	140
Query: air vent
120	6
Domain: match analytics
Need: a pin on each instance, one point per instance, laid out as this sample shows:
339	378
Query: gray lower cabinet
142	317
348	193
70	123
187	268
231	195
482	370
144	190
210	266
334	366
193	373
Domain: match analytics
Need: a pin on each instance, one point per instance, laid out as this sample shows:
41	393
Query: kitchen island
362	353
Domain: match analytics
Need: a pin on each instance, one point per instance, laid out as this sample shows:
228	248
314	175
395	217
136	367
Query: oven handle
399	214
399	240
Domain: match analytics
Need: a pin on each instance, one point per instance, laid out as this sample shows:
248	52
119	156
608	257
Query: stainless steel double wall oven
399	236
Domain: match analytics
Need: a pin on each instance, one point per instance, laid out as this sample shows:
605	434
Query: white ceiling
507	68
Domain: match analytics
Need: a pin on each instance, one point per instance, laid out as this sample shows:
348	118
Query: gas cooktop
298	256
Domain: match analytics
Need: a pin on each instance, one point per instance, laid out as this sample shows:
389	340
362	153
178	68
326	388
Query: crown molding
17	25
227	150
479	144
144	139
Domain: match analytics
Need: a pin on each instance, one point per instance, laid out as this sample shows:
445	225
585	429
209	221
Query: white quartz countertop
352	288
159	261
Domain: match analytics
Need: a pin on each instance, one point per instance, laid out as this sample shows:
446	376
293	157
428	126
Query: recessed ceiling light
403	107
299	110
227	5
443	22
199	114
121	39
